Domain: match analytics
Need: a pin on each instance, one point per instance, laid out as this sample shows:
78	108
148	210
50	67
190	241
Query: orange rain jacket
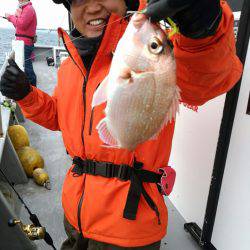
206	68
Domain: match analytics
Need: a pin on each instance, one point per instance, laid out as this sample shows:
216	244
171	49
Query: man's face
91	16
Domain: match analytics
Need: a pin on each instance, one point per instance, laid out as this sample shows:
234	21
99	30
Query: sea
44	36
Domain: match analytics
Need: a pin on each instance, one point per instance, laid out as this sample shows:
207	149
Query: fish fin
100	95
110	146
174	108
105	135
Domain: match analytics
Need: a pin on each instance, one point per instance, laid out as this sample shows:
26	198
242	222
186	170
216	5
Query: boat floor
46	204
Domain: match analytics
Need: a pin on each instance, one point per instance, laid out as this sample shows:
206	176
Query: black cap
131	4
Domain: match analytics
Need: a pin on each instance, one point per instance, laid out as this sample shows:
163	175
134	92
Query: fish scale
129	103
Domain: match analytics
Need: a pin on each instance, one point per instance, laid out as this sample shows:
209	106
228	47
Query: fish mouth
131	76
128	74
138	74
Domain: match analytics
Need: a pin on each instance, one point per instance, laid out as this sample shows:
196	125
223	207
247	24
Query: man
25	22
110	196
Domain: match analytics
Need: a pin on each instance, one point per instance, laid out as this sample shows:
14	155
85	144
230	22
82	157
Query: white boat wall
210	154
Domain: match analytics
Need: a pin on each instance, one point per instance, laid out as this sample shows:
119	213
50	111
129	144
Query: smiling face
91	16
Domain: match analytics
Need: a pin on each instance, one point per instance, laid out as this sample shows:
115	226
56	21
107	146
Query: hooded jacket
94	205
25	22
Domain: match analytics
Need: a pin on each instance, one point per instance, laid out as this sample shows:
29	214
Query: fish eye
155	46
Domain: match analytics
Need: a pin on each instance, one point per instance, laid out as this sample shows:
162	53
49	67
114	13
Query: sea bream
140	89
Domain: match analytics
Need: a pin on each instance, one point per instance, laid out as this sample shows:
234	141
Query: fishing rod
33	217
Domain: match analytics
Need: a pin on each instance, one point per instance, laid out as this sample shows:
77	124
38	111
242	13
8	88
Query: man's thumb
13	63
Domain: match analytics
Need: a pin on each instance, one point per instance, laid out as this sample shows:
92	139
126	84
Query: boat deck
46	204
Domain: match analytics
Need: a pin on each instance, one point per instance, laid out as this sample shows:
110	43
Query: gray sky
49	15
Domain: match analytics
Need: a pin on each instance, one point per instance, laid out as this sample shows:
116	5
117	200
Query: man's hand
14	83
195	18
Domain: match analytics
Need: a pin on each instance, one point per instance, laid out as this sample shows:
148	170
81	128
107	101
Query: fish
140	90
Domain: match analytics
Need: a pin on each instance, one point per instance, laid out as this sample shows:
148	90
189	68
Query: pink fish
140	90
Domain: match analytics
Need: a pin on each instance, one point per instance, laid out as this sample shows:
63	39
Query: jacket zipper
82	133
79	208
84	103
84	88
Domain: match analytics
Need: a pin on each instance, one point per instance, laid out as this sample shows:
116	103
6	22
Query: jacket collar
115	29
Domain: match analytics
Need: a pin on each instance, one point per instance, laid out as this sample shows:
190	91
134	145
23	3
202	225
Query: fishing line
43	53
47	40
50	30
129	13
33	217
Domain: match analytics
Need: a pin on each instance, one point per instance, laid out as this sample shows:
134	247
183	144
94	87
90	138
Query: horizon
12	28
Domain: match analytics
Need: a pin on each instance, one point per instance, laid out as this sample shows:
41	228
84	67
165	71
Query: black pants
28	66
76	242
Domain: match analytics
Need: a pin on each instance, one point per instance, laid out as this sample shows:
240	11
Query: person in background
110	196
25	23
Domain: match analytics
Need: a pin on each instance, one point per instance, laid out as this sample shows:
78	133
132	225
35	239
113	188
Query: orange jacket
206	68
